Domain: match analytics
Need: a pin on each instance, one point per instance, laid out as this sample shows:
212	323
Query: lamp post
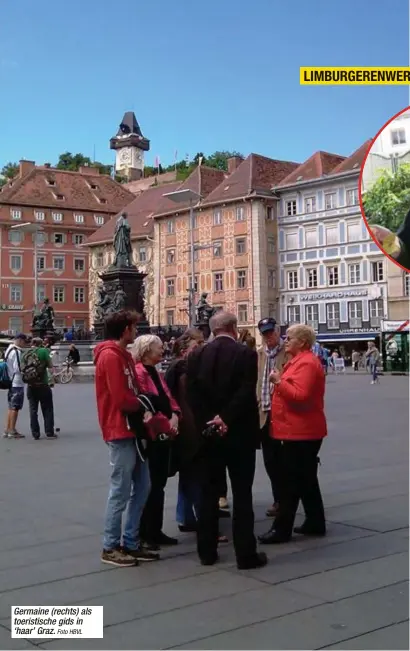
183	196
29	227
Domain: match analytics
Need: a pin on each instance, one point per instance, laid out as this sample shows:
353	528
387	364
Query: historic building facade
47	214
398	292
332	275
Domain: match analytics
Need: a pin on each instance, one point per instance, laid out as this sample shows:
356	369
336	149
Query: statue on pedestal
104	305
44	320
204	311
120	299
122	243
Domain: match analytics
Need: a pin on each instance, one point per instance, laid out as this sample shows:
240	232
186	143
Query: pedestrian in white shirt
15	394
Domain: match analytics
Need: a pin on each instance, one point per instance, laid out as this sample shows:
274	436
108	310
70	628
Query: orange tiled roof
354	161
202	180
320	164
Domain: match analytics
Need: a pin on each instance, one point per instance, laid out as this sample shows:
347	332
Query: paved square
348	591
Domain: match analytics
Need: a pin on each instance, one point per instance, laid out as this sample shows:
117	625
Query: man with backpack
35	365
11	379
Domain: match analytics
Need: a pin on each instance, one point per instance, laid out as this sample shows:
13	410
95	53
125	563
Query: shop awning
347	336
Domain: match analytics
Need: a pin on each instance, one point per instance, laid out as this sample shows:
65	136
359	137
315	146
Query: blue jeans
188	501
373	369
129	489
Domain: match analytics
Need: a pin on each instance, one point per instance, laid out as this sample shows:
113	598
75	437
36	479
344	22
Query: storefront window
395	350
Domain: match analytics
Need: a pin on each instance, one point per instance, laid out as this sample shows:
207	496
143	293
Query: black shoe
272	537
259	560
209	560
163	540
36	436
150	546
306	530
51	436
187	528
224	513
141	554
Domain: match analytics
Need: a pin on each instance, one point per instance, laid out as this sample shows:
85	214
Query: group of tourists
218	402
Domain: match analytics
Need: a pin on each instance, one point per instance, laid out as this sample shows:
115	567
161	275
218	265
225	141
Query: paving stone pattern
348	591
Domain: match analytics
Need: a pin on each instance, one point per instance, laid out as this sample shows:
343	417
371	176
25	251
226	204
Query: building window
16	293
196	284
41	293
354	274
171	256
240	245
170	226
311	277
269	213
99	220
291	241
15	214
57	216
332	276
293	314
79	323
311	238
41	262
333	316
170	317
352	197
217	217
330	201
93	186
218	283
15	236
241	279
217	247
271	245
16	262
79	264
59	294
79	295
376	311
310	204
78	239
58	263
99	260
272	310
58	238
312	316
353	232
293	280
39	215
271	278
59	323
50	182
290	207
142	254
355	314
406	280
242	313
398	137
170	287
240	214
79	219
332	235
15	325
377	271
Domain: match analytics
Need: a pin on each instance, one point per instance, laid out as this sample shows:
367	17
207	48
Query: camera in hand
211	432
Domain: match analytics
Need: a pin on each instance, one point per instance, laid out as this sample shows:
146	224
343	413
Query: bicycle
63	374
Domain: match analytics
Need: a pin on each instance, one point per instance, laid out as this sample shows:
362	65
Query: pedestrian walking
373	356
15	395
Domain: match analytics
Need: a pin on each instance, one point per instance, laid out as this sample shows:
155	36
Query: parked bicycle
63	374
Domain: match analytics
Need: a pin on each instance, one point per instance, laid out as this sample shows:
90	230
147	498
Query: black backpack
32	368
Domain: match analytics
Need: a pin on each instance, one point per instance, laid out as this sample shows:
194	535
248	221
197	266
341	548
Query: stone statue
44	320
120	299
104	305
204	311
122	243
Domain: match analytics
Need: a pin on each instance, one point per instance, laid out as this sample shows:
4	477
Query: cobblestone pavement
348	591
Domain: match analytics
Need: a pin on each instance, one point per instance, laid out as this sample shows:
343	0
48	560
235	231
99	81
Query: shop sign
393	326
353	330
12	307
325	295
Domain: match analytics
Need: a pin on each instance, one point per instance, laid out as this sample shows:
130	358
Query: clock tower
129	145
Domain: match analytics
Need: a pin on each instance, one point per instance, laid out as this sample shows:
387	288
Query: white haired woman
298	421
147	353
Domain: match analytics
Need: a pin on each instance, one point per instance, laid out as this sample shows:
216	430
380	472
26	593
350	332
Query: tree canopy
388	200
73	162
8	172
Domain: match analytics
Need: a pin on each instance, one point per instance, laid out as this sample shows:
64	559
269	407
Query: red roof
320	164
42	186
140	214
202	180
255	174
353	162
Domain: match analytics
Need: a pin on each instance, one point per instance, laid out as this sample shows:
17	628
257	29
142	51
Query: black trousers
223	483
271	459
299	482
41	395
152	517
240	461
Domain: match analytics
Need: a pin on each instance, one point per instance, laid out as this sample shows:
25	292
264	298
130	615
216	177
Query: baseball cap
21	336
266	325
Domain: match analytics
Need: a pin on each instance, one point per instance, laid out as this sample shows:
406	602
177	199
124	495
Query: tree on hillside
388	200
73	162
8	172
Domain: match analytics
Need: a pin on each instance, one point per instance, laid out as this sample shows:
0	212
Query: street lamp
29	227
183	196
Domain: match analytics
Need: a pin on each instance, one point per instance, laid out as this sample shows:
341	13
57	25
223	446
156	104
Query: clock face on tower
125	156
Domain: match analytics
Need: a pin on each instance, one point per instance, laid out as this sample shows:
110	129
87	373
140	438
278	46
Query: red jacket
298	400
116	389
159	424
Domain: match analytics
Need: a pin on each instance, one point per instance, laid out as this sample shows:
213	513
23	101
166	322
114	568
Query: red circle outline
360	189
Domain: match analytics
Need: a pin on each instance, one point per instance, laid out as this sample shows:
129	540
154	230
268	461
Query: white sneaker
372	382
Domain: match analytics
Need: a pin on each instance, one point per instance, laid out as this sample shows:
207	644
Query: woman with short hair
298	421
162	427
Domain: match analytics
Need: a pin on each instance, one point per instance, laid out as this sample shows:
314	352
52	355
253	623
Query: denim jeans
129	489
188	501
373	370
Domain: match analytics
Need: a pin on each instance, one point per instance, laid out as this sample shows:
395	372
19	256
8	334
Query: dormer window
79	219
99	220
50	182
93	186
101	200
39	215
15	213
57	216
59	197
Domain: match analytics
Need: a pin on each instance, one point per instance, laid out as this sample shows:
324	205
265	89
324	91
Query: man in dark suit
221	385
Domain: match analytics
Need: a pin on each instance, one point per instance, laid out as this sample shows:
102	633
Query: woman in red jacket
147	353
298	421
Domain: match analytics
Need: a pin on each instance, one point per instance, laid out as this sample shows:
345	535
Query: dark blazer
221	380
